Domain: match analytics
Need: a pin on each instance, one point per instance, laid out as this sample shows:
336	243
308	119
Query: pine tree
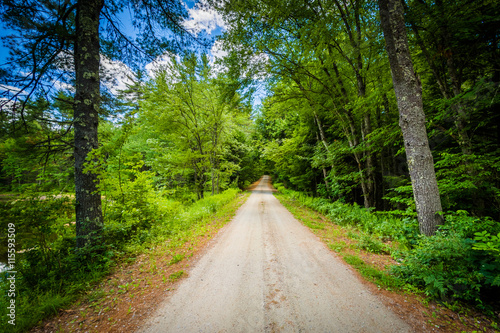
56	40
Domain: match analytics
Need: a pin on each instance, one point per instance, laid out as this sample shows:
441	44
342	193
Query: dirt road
268	273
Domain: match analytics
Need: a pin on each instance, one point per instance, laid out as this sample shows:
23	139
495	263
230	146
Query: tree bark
89	218
213	178
366	129
325	173
411	117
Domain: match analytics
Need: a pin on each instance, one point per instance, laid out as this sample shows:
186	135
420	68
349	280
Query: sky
200	19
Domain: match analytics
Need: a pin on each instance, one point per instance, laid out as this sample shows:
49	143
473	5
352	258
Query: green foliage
51	273
445	266
448	266
34	154
487	242
176	275
460	262
176	258
195	127
403	230
328	127
466	182
371	244
490	244
372	274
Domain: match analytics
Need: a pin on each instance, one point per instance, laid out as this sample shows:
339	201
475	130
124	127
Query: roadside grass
372	256
358	249
101	297
380	278
176	275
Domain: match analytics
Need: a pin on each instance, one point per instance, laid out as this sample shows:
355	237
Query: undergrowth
372	274
460	263
52	274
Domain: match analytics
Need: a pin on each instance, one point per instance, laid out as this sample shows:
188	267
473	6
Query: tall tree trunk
366	129
196	180
325	173
352	139
212	175
86	118
411	117
218	186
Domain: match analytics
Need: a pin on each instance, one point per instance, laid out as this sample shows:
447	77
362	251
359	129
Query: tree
62	38
86	118
193	117
458	41
329	50
411	117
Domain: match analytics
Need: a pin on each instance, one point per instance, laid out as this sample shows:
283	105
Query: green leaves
487	242
194	123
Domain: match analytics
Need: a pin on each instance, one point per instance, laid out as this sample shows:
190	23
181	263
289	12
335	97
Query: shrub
460	262
403	230
448	264
52	272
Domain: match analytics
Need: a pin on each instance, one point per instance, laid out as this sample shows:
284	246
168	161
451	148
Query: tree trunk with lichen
411	117
89	217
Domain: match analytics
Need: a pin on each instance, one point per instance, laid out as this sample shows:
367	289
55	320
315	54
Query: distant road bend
267	272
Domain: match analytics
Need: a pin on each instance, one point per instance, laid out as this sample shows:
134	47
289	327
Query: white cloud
202	17
7	105
60	85
159	63
164	64
218	53
8	88
217	50
115	75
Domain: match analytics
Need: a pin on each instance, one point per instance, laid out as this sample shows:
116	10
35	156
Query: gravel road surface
266	272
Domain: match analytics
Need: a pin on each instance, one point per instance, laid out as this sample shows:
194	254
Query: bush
51	272
403	230
444	265
447	265
462	261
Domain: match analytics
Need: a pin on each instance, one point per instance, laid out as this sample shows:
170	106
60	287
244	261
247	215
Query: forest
384	116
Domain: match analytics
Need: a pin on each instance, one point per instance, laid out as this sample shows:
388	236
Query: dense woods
384	115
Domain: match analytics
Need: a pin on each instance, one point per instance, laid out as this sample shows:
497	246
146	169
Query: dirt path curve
269	273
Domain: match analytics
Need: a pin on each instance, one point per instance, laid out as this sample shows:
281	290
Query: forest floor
263	272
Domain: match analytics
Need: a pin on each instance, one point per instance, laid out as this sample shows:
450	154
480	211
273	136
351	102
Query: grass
372	274
347	242
166	248
356	241
176	275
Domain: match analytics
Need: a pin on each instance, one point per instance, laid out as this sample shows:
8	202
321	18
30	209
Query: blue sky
199	20
3	51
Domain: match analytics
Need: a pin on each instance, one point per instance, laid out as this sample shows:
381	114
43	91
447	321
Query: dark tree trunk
86	114
411	117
